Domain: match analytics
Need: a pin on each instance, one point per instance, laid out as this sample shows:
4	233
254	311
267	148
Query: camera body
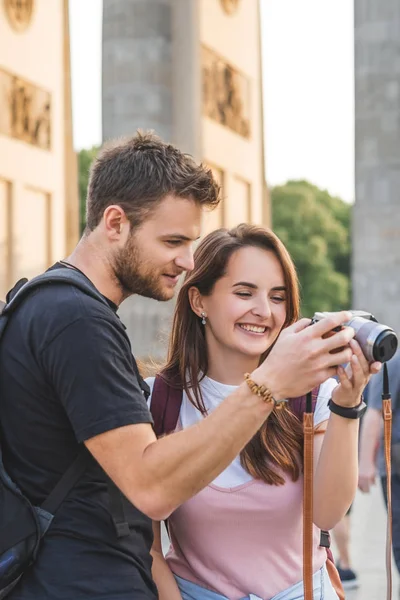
378	342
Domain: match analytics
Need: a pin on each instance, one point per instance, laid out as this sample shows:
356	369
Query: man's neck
93	263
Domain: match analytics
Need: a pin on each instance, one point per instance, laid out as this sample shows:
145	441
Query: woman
241	537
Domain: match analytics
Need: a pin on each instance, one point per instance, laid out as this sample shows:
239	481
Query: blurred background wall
38	173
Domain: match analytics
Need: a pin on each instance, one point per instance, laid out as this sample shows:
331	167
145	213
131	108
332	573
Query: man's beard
134	276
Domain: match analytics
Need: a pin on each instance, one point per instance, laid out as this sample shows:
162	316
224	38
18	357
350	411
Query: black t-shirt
66	375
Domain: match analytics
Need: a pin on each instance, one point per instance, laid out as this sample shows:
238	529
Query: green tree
85	159
315	228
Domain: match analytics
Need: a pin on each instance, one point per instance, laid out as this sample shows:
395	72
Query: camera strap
308	468
308	458
387	445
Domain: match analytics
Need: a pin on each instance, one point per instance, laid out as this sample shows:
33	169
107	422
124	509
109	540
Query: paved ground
368	548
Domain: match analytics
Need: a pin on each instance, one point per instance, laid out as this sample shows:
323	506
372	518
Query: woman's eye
278	299
243	294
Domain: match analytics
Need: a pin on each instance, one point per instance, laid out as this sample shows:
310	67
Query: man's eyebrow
279	288
179	236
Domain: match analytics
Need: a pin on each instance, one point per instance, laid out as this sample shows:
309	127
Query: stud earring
203	320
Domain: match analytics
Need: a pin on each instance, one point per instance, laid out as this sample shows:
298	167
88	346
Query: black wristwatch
348	412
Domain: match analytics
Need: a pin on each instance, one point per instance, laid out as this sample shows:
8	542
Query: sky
307	53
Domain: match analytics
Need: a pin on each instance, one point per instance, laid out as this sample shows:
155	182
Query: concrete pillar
152	80
137	67
376	218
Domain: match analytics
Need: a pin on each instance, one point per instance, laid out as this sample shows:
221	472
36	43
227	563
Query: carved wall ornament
19	13
25	111
230	6
226	93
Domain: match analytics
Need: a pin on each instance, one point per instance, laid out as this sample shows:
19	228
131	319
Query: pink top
240	536
242	540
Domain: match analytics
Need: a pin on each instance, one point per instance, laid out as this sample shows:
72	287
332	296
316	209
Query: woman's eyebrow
253	286
245	284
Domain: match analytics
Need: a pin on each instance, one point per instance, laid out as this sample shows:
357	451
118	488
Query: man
372	458
67	378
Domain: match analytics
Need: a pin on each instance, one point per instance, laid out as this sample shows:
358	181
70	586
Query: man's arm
158	475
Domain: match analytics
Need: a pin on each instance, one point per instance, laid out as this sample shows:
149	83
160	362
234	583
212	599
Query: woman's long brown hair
277	446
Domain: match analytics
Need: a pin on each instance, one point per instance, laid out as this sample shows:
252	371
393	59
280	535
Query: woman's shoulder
322	411
326	388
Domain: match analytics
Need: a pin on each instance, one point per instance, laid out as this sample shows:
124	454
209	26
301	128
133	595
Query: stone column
151	80
137	67
376	218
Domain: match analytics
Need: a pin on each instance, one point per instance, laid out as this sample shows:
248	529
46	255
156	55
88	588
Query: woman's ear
196	301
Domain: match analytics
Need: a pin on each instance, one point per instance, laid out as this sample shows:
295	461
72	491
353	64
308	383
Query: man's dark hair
138	172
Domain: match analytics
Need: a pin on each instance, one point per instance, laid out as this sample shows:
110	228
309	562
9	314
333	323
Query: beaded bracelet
263	392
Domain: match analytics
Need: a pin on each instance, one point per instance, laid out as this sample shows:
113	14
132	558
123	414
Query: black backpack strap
67	482
61	275
14	299
117	509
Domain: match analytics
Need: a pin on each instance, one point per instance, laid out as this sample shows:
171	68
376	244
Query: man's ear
196	301
115	221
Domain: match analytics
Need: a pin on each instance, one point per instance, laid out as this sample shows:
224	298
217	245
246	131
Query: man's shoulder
65	301
54	308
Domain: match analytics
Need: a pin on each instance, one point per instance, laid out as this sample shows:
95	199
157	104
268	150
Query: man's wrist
266	379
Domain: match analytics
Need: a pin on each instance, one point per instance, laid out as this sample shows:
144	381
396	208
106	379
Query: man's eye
173	242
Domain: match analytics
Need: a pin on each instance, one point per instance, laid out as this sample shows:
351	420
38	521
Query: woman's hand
354	378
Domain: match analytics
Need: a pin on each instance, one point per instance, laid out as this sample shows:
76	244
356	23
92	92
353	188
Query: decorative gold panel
214	219
226	93
31	233
238	208
5	242
25	111
19	13
230	6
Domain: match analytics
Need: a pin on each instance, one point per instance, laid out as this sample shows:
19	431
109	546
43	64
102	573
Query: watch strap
348	412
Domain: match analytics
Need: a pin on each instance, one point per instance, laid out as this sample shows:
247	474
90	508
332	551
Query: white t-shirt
213	393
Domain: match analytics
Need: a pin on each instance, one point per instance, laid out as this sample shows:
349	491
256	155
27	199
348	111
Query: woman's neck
229	367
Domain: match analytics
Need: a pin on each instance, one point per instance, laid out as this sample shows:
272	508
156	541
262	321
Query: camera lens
377	341
385	346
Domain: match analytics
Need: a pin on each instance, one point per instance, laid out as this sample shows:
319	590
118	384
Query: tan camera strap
387	441
308	457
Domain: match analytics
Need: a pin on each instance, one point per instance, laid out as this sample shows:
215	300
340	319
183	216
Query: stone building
38	179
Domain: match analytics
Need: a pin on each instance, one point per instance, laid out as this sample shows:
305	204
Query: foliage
315	228
85	158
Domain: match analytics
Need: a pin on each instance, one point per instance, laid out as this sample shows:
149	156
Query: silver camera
378	342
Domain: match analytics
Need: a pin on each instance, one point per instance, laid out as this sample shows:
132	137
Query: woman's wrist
346	400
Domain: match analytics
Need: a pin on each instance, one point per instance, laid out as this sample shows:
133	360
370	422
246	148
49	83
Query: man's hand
366	476
304	357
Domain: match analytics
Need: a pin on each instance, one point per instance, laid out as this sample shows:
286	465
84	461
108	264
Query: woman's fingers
344	378
356	348
375	367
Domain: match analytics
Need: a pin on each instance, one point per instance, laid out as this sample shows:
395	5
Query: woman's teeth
253	328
